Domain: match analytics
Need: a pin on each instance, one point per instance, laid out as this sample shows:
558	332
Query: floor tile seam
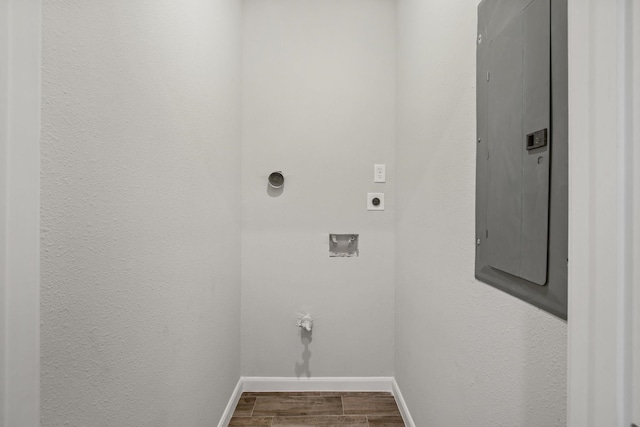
323	417
300	414
255	399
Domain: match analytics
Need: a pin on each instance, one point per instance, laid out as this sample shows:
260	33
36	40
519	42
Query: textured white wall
635	269
140	212
466	353
318	104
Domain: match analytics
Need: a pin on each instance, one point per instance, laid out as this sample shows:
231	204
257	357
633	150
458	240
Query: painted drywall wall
319	105
140	212
466	353
4	135
635	269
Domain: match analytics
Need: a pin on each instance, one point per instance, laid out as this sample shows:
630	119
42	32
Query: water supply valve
305	322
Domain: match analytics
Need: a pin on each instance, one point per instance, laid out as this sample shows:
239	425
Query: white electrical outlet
379	173
375	201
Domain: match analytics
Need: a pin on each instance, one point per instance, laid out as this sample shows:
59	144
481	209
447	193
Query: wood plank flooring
325	409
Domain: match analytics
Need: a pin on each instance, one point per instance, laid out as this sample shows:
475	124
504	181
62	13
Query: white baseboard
257	384
231	406
402	405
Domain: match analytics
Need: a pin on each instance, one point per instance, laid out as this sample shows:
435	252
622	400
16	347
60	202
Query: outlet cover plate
371	201
379	173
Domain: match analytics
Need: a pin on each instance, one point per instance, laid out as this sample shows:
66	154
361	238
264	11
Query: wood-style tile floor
326	409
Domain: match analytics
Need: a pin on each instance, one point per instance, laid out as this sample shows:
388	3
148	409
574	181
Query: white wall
19	211
318	104
635	209
466	353
4	136
140	212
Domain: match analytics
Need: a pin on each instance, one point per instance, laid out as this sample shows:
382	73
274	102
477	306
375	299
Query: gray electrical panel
522	152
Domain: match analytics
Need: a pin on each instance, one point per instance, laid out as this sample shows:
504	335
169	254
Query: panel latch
537	139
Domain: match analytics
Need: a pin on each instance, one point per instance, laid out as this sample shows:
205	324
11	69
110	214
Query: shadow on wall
303	369
274	192
545	372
